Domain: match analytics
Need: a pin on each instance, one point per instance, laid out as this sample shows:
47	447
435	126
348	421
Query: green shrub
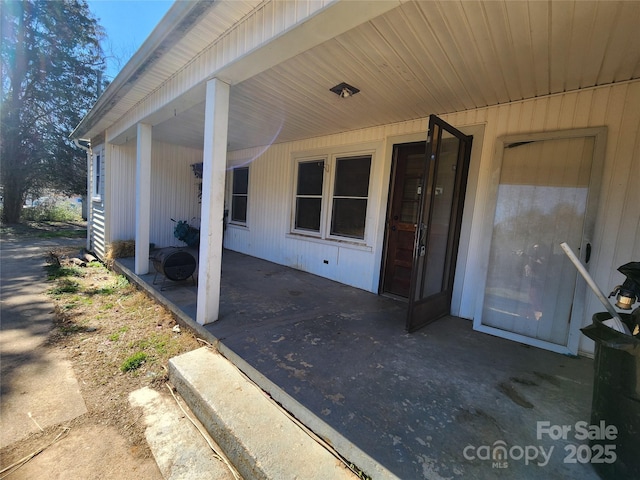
51	212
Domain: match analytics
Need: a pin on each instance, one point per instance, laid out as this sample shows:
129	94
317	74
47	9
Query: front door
437	234
402	217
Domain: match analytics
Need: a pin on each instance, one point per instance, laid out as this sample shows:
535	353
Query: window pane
240	180
308	213
310	175
352	176
348	217
239	208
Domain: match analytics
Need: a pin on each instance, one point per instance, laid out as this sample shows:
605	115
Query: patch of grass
133	362
71	233
120	284
45	229
115	336
55	271
64	286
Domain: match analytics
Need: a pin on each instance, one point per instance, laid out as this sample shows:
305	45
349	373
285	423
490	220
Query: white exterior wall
122	218
174	193
616	239
97	212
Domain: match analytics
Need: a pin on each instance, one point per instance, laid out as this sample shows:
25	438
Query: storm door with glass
437	235
546	194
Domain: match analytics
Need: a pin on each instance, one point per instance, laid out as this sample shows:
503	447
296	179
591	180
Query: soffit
177	45
429	57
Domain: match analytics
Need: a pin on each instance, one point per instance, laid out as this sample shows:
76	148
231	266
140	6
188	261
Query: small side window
240	195
97	176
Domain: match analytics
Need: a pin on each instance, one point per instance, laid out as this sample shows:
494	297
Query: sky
127	23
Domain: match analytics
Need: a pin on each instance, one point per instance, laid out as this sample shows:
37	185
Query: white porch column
143	198
216	122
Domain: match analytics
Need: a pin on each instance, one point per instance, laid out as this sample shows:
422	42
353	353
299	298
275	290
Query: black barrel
616	398
174	263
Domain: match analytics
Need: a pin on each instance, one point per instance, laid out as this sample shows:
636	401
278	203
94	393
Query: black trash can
616	399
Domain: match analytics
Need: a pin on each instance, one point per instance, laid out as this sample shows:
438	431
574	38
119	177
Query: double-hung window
240	195
310	184
350	194
331	196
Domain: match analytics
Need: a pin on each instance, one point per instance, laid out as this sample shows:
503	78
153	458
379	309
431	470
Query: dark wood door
402	216
437	234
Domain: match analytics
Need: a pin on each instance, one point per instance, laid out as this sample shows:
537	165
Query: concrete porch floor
430	404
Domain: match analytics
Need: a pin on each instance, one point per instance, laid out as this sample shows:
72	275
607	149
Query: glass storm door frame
439	223
582	247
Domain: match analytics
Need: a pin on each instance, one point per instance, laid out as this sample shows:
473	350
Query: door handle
588	253
393	228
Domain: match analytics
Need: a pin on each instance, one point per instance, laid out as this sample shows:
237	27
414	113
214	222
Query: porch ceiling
429	57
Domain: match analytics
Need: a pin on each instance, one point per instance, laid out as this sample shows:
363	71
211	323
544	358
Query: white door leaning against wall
546	194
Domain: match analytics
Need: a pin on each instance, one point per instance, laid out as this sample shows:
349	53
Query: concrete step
182	449
258	437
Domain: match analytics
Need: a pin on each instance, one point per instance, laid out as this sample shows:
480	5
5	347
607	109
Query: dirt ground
118	341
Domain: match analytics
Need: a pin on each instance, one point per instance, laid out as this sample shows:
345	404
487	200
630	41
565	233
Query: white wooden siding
98	245
174	191
98	210
122	194
616	237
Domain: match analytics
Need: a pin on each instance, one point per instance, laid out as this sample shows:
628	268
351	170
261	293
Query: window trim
333	196
330	156
97	168
232	195
302	231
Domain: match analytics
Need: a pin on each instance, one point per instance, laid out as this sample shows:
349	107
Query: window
309	195
336	207
97	175
240	195
350	192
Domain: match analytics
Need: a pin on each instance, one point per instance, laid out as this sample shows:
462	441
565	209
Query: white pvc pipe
605	301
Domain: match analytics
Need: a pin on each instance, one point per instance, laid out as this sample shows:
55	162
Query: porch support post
143	198
216	122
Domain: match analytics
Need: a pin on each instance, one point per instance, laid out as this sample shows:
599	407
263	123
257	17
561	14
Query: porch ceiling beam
333	20
214	159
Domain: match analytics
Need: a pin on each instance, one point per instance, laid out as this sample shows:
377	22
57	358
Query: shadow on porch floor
415	403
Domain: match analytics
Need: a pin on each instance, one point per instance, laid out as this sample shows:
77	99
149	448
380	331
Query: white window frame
330	157
301	231
231	194
97	175
332	196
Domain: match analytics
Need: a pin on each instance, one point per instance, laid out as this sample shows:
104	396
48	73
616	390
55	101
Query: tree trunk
13	201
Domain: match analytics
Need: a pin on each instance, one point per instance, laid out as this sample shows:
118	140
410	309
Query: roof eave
176	22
